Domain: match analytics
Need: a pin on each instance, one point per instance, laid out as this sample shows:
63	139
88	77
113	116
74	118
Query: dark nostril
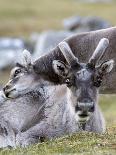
6	87
92	109
7	94
77	108
87	101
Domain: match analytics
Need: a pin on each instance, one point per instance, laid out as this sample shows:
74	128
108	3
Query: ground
80	143
21	18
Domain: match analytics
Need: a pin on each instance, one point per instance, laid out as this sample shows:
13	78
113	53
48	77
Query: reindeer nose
6	90
6	87
85	105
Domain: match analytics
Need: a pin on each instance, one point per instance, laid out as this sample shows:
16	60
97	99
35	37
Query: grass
21	18
79	143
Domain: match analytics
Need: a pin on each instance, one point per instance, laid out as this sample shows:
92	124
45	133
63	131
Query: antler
67	52
99	51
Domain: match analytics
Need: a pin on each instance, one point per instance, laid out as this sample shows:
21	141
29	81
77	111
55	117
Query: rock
10	49
84	24
48	40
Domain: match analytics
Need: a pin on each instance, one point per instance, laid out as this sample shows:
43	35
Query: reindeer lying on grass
21	101
37	108
28	101
83	81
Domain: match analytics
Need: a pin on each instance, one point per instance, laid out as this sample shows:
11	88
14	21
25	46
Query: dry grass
22	17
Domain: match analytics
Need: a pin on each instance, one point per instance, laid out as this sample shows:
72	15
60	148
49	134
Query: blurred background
39	25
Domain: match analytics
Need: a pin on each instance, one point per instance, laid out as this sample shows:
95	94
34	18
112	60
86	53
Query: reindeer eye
17	72
68	82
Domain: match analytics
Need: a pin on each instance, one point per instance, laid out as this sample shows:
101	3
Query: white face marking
84	104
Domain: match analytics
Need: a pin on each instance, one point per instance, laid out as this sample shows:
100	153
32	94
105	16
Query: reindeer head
22	78
83	79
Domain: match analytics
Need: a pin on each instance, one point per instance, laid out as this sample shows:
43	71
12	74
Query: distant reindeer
77	109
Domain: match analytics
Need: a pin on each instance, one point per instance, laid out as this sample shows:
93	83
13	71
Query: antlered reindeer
83	81
82	46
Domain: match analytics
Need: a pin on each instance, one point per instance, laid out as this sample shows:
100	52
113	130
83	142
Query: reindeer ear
60	68
107	66
26	58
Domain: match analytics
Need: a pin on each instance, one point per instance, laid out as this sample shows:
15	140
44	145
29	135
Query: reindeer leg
33	135
7	135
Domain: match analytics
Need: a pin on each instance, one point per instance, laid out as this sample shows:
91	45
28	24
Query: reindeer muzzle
85	107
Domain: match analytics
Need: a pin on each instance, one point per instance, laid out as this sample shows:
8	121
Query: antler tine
67	52
99	51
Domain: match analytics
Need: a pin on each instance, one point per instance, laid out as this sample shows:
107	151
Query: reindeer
82	46
28	102
77	107
21	101
83	81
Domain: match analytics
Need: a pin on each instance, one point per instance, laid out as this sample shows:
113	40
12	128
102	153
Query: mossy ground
21	18
79	143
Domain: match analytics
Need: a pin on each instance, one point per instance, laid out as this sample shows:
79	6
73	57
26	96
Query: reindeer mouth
7	93
83	115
